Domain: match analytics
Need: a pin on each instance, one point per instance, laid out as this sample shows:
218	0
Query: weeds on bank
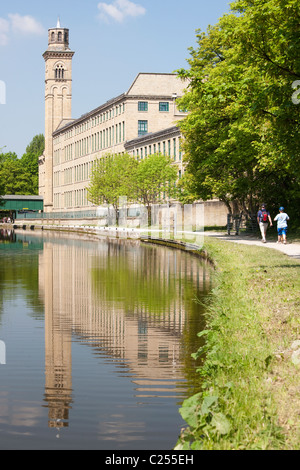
248	380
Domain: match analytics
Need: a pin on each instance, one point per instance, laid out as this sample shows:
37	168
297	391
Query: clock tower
58	98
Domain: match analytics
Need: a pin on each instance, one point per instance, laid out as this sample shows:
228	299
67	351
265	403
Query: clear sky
113	40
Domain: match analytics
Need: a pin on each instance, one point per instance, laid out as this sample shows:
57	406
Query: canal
98	338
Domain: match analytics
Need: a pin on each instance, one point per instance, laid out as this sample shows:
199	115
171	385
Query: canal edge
113	233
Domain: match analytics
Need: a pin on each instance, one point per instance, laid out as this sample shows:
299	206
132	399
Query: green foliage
134	287
149	181
242	132
112	178
202	416
19	268
36	146
241	405
20	176
155	180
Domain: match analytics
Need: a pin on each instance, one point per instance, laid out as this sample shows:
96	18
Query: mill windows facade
73	146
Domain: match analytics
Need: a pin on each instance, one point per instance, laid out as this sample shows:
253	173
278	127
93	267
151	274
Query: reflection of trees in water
151	278
133	279
158	286
19	269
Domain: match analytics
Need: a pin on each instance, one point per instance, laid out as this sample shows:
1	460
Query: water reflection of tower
58	357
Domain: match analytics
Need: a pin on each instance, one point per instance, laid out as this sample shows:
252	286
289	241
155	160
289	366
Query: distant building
141	121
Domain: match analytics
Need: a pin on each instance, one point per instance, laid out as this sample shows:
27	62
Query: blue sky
113	40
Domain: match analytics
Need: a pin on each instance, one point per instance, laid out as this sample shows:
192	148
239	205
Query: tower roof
58	38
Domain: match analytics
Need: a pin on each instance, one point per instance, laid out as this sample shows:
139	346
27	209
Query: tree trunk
149	215
227	204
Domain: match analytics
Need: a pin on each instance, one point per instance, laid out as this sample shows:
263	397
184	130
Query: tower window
59	36
52	37
59	73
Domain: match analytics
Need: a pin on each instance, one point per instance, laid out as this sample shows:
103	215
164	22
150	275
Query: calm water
98	338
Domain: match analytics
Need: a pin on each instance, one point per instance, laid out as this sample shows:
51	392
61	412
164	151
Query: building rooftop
20	197
139	88
152	135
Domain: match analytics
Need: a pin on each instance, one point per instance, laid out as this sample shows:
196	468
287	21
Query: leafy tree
30	162
15	177
9	156
112	178
242	133
149	181
20	176
36	146
155	181
7	160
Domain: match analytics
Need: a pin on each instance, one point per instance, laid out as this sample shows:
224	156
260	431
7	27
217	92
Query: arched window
59	72
53	37
59	36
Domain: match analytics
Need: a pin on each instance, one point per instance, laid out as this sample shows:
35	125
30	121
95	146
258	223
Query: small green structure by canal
15	205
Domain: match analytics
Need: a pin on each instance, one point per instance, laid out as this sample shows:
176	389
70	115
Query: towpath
291	249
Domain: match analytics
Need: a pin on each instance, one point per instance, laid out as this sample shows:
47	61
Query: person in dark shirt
263	219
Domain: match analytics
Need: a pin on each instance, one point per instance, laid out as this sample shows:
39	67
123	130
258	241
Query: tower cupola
58	38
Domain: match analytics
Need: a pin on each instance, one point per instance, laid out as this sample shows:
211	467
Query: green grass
250	397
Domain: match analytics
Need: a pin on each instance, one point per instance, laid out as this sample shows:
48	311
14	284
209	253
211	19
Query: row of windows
99	141
80	197
170	147
93	122
74	174
68	152
104	117
68	176
163	106
68	199
77	198
83	172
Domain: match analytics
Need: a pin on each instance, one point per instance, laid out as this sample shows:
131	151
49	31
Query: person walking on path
263	218
281	219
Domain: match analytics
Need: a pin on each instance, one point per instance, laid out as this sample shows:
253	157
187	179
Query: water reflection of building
125	301
58	357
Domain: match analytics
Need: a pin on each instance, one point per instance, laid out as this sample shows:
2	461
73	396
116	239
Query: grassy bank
250	376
